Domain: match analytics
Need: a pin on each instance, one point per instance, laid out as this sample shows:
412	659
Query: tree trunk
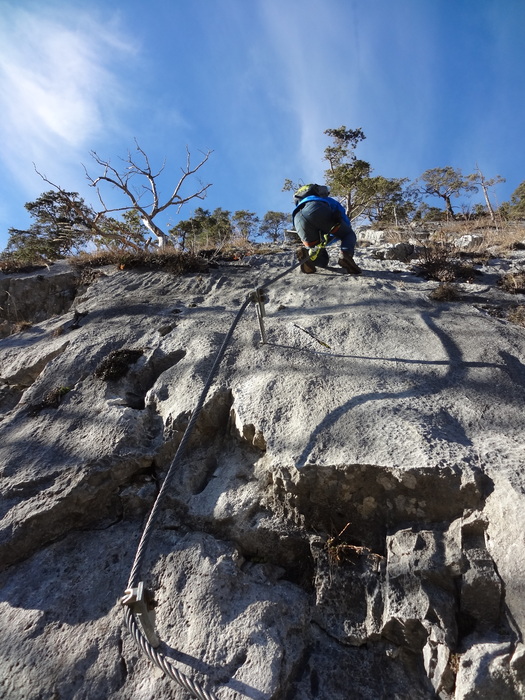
162	239
349	205
487	200
450	211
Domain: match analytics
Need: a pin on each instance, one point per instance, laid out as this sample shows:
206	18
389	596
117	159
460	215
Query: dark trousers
316	219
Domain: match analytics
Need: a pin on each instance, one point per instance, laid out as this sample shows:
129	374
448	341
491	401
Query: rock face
349	516
37	296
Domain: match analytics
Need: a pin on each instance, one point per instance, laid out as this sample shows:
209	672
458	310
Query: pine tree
445	183
62	224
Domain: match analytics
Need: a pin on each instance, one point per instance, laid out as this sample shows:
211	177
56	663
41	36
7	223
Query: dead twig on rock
340	551
325	345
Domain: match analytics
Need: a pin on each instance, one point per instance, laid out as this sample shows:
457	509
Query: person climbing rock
316	217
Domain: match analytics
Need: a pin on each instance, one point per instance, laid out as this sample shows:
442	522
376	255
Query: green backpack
311	191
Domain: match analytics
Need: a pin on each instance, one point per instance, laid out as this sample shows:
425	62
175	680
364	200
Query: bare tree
124	181
478	178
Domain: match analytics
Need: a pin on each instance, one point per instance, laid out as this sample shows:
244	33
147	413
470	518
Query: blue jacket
334	205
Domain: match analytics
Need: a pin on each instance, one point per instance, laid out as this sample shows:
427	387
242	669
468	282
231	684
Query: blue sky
430	82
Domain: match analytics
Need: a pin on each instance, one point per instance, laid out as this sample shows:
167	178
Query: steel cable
163	662
141	550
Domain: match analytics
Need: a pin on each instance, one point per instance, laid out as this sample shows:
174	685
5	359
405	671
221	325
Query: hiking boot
322	259
303	256
348	263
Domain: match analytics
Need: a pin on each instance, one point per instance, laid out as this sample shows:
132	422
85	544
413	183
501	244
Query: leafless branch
122	179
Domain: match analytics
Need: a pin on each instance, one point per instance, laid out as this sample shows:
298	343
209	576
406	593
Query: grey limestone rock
348	517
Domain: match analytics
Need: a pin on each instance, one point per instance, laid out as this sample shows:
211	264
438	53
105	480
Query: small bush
52	399
513	282
517	315
446	291
21	326
440	262
117	363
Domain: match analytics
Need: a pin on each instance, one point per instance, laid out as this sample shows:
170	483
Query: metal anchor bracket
259	298
143	604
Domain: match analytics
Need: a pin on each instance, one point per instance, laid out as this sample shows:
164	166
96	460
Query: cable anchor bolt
259	298
143	604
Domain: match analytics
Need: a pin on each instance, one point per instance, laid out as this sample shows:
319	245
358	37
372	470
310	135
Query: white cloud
330	66
58	87
303	66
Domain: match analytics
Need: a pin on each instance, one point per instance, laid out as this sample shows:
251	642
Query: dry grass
167	259
506	237
9	265
234	250
513	314
397	234
500	236
20	327
454	663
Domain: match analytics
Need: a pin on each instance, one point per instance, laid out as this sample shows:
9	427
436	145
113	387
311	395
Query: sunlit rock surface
348	520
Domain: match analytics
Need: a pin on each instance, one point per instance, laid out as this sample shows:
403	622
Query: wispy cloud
345	65
308	74
58	88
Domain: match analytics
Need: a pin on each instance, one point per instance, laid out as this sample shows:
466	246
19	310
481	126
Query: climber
316	218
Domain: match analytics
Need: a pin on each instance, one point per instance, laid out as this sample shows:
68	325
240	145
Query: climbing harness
325	240
138	601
